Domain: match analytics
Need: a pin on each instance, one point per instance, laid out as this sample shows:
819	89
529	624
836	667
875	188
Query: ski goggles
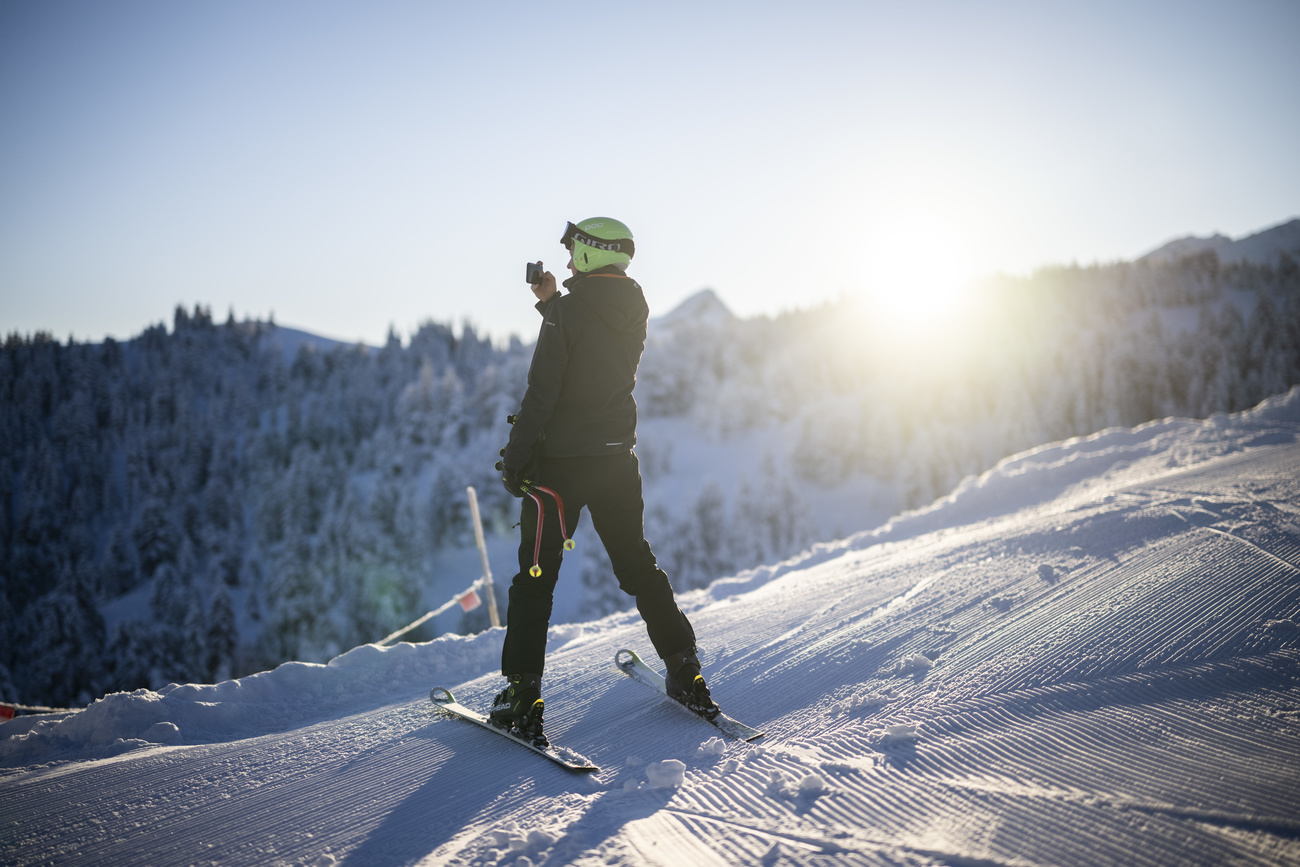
572	235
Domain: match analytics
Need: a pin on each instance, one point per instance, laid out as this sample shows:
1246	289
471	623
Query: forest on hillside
263	508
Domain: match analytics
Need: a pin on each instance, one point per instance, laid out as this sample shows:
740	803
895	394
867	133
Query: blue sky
351	167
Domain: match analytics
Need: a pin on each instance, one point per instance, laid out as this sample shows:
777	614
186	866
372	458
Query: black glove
513	480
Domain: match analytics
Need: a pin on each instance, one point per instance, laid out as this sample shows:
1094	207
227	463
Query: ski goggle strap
621	245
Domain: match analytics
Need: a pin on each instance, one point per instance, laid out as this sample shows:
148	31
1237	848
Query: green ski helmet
598	242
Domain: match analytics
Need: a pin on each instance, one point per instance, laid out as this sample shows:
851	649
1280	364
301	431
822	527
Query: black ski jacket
579	397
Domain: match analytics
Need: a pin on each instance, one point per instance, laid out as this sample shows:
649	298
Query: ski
445	701
634	667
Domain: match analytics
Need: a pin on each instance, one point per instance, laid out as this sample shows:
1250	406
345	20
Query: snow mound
668	774
1046	473
294	694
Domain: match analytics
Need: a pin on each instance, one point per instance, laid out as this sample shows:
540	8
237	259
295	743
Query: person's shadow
438	810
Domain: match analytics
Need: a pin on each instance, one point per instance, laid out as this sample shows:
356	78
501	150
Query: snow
1087	655
712	747
668	774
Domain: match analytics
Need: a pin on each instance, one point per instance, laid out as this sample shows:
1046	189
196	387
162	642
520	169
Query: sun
917	270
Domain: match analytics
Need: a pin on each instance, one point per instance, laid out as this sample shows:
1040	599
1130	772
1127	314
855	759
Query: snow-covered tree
262	505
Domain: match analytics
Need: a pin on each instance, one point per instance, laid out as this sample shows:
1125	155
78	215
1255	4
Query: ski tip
441	695
625	658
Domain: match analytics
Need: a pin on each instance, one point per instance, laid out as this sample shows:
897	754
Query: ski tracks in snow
1137	702
1110	678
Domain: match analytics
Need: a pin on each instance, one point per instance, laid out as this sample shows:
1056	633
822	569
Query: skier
574	434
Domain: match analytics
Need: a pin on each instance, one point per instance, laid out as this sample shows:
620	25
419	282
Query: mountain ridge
1265	247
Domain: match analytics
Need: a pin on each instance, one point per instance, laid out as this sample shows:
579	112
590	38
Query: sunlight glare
918	271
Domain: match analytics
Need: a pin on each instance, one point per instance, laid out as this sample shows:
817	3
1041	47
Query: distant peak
703	306
1188	245
1262	248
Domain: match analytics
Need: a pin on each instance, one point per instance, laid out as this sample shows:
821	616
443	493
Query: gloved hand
512	479
545	290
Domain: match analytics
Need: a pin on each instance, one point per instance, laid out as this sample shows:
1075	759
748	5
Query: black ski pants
609	487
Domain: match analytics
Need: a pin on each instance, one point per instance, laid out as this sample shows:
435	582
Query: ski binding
634	667
445	701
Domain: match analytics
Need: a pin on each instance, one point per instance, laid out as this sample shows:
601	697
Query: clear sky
349	167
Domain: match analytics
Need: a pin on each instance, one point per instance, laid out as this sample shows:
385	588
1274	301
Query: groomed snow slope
1088	656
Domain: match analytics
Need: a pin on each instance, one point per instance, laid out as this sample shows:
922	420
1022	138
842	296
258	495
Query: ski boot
518	709
685	684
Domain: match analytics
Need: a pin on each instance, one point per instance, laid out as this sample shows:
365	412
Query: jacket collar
607	271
